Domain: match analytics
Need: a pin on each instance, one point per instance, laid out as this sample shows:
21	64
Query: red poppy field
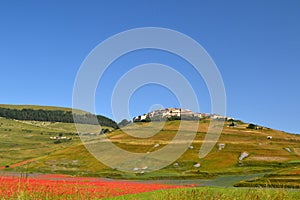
64	187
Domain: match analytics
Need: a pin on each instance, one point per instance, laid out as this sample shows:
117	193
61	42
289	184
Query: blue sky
255	44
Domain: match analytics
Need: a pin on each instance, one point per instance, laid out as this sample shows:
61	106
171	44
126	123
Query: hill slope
278	157
53	114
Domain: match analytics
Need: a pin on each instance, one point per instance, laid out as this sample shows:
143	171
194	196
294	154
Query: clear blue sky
255	44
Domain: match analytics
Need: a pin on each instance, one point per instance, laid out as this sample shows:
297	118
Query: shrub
251	126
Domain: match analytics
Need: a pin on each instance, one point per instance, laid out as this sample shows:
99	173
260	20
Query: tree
251	126
56	116
104	131
232	124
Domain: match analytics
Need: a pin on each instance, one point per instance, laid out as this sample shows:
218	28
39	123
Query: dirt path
17	164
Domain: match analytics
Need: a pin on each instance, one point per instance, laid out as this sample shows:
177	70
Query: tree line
56	116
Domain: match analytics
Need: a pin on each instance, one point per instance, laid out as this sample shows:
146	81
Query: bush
251	126
103	131
57	142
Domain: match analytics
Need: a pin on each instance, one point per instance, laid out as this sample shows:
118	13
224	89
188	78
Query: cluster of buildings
175	112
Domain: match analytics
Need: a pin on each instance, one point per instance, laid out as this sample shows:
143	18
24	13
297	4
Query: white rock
175	164
243	155
288	149
135	169
197	165
145	168
191	147
156	145
221	146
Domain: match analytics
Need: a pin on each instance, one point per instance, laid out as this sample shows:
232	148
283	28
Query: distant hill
36	107
52	114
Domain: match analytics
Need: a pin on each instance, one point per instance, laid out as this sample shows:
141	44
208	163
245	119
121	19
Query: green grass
210	193
215	164
22	140
286	177
34	107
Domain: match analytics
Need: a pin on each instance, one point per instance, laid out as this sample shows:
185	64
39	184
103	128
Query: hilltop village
174	114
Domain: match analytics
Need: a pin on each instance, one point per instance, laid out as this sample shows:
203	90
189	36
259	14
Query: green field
276	166
213	193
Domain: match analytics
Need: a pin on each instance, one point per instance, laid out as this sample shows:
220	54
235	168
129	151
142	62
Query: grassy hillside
21	140
276	160
24	140
34	107
53	114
